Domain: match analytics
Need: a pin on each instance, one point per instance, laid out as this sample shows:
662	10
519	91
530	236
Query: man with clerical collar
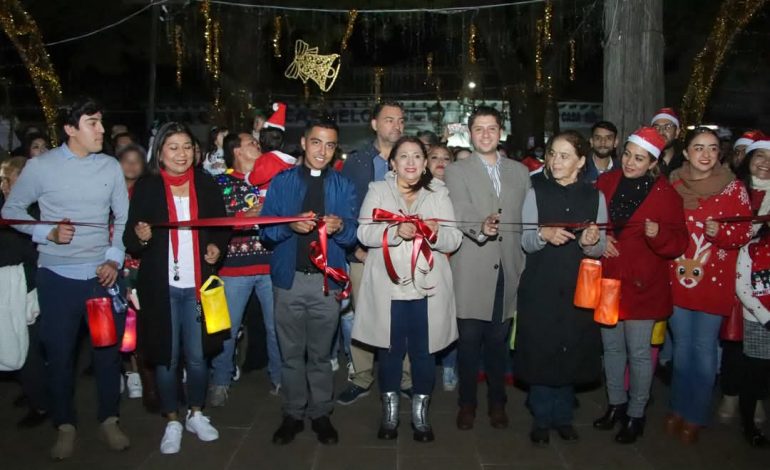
306	317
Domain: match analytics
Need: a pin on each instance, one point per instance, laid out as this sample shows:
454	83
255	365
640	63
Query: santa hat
748	138
278	119
649	139
762	143
666	113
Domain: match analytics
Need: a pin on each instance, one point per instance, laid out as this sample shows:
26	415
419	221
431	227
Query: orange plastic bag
588	288
606	312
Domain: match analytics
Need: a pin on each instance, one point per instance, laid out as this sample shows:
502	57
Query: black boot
614	414
630	430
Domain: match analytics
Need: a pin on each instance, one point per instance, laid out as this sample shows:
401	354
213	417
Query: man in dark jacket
604	141
306	316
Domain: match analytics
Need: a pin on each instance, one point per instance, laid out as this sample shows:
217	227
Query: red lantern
607	311
129	334
101	323
588	287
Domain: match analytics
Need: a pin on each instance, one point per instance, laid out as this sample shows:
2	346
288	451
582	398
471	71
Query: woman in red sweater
703	279
649	231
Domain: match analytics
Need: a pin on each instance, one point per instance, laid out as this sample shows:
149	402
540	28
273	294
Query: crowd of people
406	256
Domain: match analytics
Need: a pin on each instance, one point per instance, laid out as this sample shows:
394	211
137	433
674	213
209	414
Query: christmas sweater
703	278
245	254
266	167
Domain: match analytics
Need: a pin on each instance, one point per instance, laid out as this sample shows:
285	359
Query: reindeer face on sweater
690	271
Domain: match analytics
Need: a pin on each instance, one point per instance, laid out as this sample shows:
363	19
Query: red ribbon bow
318	257
418	246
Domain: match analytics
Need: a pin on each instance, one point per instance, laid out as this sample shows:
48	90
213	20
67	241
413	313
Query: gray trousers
305	322
628	343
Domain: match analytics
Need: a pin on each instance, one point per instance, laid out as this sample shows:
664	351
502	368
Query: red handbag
101	323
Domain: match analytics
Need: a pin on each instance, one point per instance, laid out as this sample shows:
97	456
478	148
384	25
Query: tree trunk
633	62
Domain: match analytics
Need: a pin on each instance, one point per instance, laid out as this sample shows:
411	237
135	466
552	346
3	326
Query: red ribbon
318	256
419	244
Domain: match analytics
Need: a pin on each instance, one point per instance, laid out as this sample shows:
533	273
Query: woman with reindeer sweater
703	278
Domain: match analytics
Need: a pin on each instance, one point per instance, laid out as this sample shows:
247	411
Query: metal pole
153	65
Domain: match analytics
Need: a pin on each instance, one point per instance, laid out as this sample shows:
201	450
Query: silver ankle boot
389	424
423	432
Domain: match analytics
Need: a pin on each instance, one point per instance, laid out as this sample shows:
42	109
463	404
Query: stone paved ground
251	415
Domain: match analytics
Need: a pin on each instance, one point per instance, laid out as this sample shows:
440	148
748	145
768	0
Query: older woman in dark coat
557	344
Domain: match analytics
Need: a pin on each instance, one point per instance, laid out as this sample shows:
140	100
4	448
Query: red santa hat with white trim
278	119
762	143
649	139
666	113
748	138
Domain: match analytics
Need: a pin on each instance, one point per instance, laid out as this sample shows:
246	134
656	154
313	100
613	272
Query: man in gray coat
488	193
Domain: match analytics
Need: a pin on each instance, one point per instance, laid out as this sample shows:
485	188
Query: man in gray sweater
75	182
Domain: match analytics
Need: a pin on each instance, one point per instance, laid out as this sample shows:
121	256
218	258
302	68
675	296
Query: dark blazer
148	204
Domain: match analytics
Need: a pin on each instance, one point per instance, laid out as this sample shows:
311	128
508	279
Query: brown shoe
689	433
673	424
465	416
497	417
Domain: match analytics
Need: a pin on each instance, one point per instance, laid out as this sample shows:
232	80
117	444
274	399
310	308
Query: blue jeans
62	309
551	406
237	291
696	338
185	328
408	334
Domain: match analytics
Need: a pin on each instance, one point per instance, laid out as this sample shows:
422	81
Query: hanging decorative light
572	60
277	21
352	15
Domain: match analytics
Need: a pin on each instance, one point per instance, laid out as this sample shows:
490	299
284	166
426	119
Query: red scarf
168	181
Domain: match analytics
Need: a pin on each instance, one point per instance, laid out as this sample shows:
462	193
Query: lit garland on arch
26	38
733	16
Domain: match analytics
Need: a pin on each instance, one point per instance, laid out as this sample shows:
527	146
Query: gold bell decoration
309	64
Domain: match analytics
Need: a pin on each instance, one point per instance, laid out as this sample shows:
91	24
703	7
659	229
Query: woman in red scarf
703	278
174	261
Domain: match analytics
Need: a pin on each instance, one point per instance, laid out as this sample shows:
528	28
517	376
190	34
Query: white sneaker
199	425
172	438
351	371
134	385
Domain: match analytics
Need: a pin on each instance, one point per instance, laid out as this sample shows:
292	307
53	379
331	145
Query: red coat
703	279
643	263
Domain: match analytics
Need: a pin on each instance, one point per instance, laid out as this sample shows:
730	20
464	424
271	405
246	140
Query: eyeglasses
664	127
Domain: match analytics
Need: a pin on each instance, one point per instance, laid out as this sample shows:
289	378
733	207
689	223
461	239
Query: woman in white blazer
415	313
